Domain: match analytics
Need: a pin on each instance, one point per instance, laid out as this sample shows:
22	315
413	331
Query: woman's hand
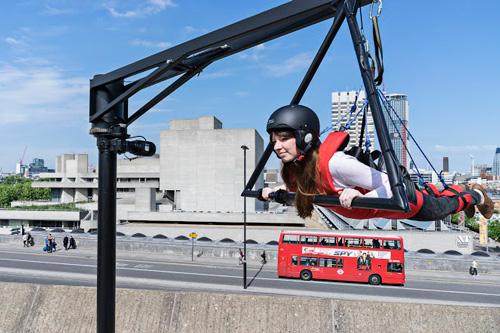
347	195
265	193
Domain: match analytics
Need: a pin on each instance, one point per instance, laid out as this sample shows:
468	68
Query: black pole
337	23
393	172
109	127
106	241
245	148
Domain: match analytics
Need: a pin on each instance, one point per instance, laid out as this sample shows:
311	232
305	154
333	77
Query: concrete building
202	165
342	101
198	178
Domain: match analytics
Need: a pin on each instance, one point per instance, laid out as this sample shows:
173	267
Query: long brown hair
302	177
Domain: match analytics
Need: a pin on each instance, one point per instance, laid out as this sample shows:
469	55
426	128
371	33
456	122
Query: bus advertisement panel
341	257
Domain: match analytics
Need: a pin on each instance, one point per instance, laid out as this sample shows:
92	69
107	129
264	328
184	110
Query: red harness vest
326	151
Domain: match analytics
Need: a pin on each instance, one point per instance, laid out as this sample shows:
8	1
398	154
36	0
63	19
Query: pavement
482	278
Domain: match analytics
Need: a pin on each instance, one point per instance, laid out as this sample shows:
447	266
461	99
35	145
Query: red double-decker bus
341	257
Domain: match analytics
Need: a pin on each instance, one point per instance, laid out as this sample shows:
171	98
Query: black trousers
438	208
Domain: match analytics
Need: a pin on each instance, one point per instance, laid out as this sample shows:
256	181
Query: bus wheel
305	275
374	279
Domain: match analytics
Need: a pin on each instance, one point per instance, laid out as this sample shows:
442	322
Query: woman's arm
347	172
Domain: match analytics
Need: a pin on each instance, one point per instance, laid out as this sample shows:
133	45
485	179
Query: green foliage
57	207
494	229
15	188
473	224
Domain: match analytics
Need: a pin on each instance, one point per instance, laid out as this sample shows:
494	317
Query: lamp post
245	148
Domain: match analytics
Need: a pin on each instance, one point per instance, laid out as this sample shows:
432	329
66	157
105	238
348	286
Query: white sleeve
348	172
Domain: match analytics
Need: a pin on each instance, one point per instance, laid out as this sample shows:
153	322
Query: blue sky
443	57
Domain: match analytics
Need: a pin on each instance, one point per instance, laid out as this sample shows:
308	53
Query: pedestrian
264	257
72	243
473	267
241	258
46	248
49	245
25	240
65	242
310	167
30	240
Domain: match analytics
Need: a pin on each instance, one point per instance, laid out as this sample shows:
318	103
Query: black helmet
301	120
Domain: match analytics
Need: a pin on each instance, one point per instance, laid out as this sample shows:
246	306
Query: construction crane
22	157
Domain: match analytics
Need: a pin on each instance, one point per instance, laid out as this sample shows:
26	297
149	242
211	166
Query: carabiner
379	10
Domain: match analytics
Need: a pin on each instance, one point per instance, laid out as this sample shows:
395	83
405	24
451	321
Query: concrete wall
205	163
47	308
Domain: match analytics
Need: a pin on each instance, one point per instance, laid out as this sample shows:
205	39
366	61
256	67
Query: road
172	273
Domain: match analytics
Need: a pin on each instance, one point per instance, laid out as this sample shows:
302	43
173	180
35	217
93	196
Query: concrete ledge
45	308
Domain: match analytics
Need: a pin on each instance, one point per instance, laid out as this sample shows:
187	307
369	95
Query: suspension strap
388	106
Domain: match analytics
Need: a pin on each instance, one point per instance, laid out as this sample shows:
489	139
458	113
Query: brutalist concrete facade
202	165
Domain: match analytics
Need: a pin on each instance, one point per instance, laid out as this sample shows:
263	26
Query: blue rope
389	107
350	120
415	169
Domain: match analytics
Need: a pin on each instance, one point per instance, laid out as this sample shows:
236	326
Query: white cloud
12	41
192	30
161	45
215	75
254	54
57	11
297	63
464	148
149	7
32	94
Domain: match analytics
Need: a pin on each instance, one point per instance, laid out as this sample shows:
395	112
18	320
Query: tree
16	188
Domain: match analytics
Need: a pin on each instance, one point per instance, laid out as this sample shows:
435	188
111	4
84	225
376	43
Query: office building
342	102
398	125
495	171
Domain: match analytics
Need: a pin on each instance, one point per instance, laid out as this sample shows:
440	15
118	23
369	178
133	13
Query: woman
311	167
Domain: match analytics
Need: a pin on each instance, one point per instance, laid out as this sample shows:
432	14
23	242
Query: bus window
340	263
294	260
341	241
394	267
376	244
327	262
392	244
291	239
353	242
309	240
368	243
328	241
308	261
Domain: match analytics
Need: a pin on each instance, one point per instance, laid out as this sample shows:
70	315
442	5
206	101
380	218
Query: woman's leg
438	208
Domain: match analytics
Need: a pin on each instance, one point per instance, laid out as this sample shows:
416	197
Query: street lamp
245	148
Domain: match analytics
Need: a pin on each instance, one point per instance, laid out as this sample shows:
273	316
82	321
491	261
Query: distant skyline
438	54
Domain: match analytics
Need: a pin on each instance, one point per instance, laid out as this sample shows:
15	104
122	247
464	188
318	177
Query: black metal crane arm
197	52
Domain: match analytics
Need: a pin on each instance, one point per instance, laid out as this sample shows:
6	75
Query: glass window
291	239
353	242
368	243
308	261
294	260
340	263
377	244
309	240
395	267
328	241
327	262
392	244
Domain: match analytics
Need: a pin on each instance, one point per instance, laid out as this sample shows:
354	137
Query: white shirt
348	172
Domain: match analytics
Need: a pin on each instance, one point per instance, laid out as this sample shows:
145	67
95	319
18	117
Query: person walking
72	243
65	242
264	257
473	267
241	258
25	240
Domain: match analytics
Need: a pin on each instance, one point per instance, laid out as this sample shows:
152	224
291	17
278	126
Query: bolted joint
121	146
